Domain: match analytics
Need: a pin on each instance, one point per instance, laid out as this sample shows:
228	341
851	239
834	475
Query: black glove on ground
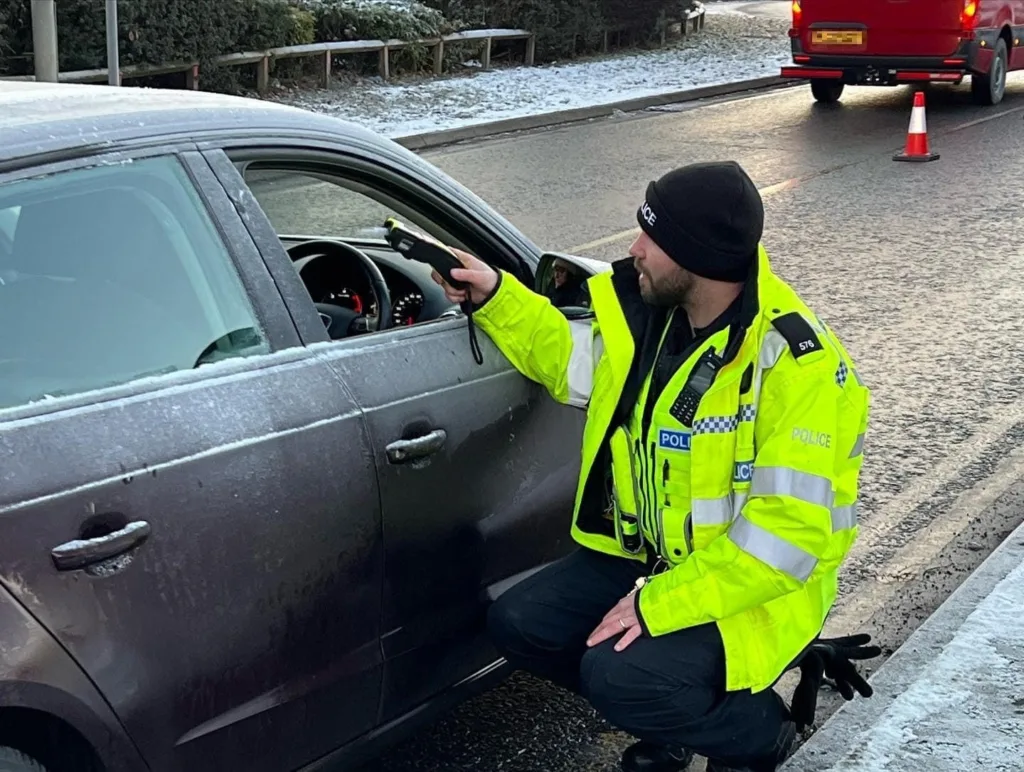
831	658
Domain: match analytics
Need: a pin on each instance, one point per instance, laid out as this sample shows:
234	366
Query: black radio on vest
697	385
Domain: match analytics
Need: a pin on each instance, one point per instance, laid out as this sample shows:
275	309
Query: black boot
648	757
768	764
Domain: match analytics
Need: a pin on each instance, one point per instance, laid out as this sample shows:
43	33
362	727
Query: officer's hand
480	277
621	620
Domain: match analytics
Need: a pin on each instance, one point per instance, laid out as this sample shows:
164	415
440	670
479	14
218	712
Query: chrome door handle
402	451
84	552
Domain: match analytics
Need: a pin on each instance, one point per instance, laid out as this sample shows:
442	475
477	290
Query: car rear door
204	540
887	27
477	465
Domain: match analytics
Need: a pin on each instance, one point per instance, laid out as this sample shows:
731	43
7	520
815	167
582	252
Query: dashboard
415	297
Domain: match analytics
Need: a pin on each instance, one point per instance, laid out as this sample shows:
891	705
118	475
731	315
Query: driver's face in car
561	274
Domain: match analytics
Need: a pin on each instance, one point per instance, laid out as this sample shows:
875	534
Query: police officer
718	491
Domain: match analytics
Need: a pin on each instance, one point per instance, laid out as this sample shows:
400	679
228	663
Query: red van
890	42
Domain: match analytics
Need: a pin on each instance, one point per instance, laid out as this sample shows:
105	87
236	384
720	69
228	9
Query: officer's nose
636	250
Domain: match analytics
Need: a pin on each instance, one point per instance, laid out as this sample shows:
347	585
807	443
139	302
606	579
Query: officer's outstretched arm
541	342
784	536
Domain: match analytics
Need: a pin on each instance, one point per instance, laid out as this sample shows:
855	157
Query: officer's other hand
620	620
480	277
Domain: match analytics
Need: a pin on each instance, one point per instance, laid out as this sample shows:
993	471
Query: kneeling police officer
718	491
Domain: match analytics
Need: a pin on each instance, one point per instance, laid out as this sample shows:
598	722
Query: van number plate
837	37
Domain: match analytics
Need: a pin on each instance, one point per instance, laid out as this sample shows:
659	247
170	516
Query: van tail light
969	15
798	19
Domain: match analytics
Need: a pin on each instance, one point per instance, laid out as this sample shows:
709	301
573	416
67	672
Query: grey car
256	491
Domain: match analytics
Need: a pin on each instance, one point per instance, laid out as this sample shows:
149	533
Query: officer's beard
670	291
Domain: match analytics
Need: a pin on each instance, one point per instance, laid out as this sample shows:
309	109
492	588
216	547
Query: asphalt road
916	266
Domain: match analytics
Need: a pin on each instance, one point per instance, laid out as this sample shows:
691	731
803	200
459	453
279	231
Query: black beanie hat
708	217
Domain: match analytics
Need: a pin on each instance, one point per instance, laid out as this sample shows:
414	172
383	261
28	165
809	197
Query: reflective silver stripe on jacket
783	481
858	446
586	351
844	517
712	511
728	508
772	550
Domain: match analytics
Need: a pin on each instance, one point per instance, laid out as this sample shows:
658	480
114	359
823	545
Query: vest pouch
625	493
675	528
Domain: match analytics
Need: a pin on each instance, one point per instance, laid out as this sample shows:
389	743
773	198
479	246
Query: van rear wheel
826	91
989	89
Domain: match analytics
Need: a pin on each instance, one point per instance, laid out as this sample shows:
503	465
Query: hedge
165	31
359	20
157	31
162	31
567	27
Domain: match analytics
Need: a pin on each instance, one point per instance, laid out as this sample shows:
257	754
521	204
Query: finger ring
623	623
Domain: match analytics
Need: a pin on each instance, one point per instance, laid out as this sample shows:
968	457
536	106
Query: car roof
46	118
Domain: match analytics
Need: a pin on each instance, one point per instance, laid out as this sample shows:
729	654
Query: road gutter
433	139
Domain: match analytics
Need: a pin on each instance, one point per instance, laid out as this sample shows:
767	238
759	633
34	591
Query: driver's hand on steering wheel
481	278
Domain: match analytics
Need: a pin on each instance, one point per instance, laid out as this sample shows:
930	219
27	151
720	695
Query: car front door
189	502
477	465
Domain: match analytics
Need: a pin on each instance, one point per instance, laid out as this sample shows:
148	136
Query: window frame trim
351	162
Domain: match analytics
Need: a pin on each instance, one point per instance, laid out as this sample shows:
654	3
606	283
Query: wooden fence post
263	75
487	54
439	57
326	74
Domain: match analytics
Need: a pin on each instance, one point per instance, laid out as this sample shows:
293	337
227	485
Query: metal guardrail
328	50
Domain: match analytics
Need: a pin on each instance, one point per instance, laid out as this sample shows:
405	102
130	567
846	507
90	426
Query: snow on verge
732	48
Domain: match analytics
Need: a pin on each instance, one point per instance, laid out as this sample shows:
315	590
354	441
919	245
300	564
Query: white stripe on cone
918	122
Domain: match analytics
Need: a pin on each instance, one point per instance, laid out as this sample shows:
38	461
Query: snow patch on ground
732	47
963	711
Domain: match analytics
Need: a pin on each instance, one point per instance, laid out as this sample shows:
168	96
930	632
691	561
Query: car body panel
36	673
236	615
495	501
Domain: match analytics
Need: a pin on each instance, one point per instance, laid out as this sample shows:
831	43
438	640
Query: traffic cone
917	135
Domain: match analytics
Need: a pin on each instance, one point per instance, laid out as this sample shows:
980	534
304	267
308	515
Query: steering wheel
345	321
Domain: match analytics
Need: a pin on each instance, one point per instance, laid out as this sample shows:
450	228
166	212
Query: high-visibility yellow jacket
750	501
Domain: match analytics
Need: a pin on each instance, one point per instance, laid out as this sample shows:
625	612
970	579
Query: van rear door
887	27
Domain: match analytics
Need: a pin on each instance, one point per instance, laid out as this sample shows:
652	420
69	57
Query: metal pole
44	40
113	58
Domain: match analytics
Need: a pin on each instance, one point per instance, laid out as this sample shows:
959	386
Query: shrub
397	19
274	23
360	20
566	27
5	31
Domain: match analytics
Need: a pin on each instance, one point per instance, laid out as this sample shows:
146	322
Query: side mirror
563	279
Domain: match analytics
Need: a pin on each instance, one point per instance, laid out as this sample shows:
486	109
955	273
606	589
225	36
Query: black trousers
668	690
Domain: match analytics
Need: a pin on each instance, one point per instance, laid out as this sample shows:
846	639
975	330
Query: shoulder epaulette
801	337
